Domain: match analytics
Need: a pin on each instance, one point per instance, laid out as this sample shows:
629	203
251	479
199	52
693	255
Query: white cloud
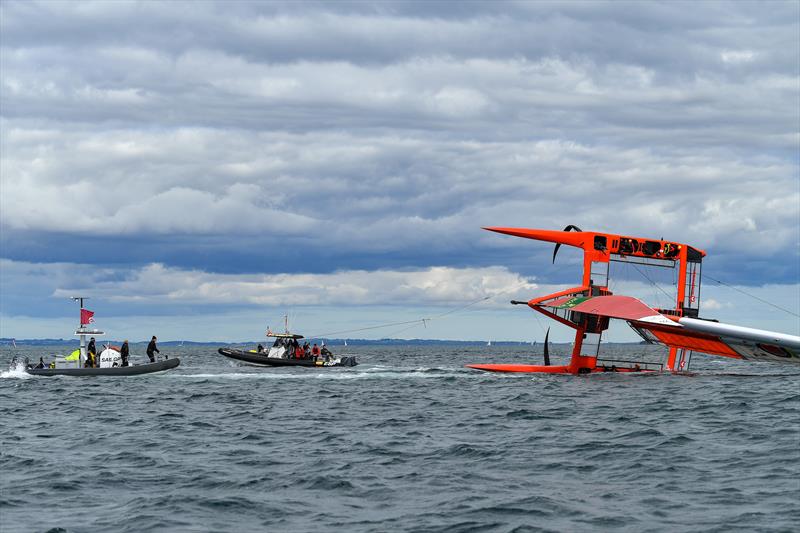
738	56
137	300
156	283
711	304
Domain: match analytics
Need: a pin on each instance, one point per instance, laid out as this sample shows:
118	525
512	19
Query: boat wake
371	373
16	370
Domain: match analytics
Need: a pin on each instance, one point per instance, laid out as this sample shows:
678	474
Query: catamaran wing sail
687	333
612	306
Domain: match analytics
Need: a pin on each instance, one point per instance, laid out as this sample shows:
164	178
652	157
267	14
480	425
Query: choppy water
407	441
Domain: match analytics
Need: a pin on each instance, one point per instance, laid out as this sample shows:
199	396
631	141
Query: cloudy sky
200	168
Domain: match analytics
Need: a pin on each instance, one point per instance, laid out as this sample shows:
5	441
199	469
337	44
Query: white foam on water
16	372
361	374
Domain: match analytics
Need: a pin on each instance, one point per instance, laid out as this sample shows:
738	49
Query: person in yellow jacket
91	354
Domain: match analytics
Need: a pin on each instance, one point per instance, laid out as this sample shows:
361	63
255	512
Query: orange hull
563	369
541	369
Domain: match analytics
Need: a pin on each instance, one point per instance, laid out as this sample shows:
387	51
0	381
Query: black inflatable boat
263	359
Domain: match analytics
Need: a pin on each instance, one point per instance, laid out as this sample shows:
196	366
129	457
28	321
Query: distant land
331	342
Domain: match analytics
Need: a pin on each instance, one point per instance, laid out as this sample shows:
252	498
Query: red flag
86	316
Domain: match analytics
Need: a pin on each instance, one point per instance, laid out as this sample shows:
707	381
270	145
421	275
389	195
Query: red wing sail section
622	307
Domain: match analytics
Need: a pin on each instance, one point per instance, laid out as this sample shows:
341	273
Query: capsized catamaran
589	308
109	360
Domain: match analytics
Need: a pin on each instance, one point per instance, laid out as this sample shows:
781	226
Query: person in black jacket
91	354
124	351
151	348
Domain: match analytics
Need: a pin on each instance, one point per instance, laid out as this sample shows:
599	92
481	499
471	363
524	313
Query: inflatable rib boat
263	359
134	370
81	362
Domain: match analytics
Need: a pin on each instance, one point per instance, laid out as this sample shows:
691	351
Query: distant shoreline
332	342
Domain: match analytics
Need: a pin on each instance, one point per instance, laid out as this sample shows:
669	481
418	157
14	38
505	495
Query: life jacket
299	353
315	350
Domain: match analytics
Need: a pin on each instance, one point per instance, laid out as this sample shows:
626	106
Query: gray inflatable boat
134	370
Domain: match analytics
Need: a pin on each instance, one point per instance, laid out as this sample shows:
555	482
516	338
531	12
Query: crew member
326	353
315	350
91	354
299	353
306	350
151	348
259	348
41	363
124	351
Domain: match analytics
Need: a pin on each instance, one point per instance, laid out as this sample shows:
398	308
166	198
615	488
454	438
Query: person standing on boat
91	354
124	352
151	349
315	351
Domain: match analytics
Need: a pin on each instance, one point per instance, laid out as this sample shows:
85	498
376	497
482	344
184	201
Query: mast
81	332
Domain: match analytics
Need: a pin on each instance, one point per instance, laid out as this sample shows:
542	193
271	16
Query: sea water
409	440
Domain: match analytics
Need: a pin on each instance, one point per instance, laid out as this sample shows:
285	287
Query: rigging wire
321	335
413	323
752	296
423	321
412	326
653	283
536	316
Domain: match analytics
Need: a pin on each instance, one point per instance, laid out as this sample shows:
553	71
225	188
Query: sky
200	169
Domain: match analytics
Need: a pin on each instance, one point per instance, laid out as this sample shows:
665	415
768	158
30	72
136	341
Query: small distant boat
489	343
109	360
